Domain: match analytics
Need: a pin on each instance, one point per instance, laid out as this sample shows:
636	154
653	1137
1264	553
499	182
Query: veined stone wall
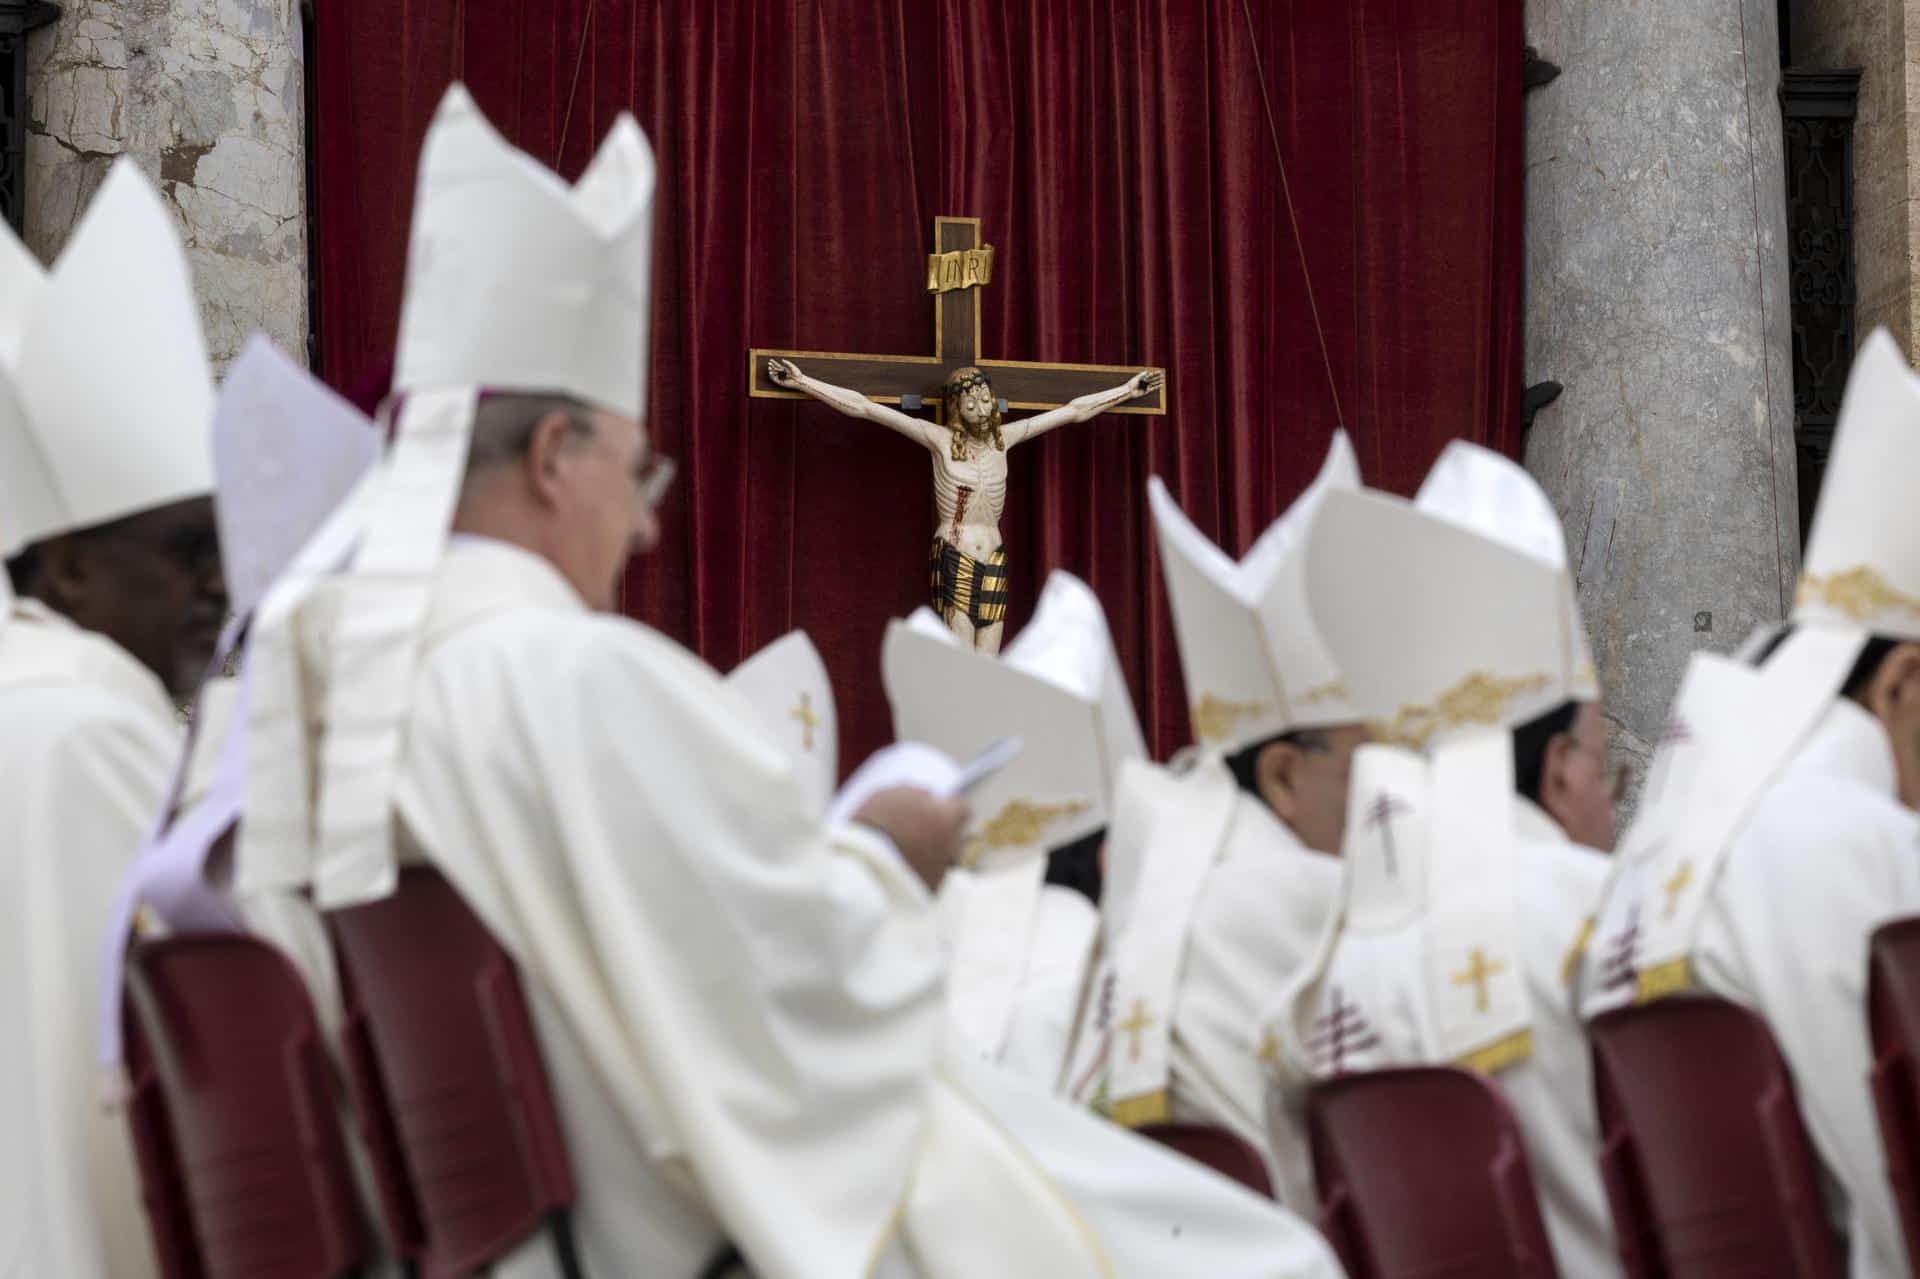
208	97
1657	293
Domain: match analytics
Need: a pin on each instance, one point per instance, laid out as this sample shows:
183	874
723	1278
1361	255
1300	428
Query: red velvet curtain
1122	155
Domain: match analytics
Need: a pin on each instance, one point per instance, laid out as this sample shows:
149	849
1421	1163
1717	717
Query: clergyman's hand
925	828
784	372
1147	383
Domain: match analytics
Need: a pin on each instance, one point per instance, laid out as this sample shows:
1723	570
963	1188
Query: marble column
207	95
1657	294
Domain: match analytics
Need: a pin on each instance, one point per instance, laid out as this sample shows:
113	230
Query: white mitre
22	282
105	391
1736	728
1439	629
1254	663
515	282
1449	639
791	694
1058	688
1862	567
1491	494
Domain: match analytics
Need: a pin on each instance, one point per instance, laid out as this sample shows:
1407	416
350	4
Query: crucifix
967	564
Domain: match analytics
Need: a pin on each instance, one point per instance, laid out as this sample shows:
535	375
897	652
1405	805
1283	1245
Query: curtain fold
1121	156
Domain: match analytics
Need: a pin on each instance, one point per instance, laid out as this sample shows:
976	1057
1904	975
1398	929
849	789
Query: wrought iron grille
1819	109
17	17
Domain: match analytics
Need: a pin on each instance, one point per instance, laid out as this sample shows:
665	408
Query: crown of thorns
967	381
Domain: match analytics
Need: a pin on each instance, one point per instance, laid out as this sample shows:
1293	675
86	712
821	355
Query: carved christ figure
967	564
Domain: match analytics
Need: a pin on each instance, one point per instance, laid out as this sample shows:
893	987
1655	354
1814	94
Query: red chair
162	1189
234	1116
1893	1012
1422	1173
1708	1169
449	1082
1227	1153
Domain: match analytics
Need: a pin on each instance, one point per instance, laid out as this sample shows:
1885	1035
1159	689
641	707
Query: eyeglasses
656	477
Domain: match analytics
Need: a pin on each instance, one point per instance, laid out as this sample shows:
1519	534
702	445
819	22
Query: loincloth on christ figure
976	589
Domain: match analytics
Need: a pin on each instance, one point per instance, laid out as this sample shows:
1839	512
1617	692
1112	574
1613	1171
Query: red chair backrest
1893	1013
448	1078
1708	1169
163	1189
1224	1151
1422	1173
234	1098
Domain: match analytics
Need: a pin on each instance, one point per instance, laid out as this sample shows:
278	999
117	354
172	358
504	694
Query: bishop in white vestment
1465	900
1222	880
1019	947
740	1007
1785	833
105	522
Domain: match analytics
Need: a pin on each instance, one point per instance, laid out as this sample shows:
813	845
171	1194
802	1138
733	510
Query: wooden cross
1137	1023
1677	884
917	381
1479	971
808	720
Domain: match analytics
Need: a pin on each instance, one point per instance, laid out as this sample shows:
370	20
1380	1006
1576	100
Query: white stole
1136	1012
1741	729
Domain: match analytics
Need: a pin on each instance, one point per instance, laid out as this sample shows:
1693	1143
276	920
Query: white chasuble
742	1012
1018	949
1212	907
1453	949
1552	1091
1829	855
88	740
1774	845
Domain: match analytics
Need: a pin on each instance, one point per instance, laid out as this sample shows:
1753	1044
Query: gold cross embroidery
1479	970
808	720
1136	1023
1678	884
1269	1048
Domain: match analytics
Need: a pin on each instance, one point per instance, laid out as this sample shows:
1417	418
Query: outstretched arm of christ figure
786	373
1087	406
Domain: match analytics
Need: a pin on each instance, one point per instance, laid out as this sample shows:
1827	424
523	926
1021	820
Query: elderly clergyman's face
153	583
610	518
